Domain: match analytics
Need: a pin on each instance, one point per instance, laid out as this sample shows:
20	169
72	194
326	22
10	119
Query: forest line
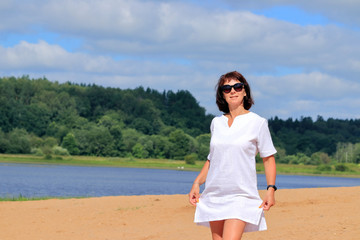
48	118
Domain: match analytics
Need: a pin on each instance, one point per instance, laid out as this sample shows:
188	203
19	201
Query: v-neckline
227	119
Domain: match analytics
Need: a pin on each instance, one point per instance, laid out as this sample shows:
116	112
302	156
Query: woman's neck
240	110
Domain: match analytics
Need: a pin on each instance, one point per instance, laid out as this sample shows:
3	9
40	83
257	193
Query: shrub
318	158
341	167
60	151
46	150
303	159
324	167
50	142
292	159
191	158
37	152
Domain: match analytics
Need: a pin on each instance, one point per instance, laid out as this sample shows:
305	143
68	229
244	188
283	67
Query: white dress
231	184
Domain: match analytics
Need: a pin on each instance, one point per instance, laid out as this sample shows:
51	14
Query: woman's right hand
194	194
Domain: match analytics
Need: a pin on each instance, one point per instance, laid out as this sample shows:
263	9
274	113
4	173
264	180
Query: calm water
50	180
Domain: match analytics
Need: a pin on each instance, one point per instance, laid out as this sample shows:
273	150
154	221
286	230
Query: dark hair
220	100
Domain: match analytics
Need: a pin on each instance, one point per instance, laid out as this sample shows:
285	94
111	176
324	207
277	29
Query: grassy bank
101	161
22	198
352	170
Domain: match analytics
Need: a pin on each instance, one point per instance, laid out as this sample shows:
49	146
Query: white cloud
46	57
173	30
306	95
314	85
148	28
345	11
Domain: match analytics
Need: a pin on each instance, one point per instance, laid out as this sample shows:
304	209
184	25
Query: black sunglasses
237	87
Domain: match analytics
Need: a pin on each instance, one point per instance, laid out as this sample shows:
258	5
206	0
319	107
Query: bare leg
233	229
217	228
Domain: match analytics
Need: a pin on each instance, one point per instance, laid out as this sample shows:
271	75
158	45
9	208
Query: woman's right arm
200	179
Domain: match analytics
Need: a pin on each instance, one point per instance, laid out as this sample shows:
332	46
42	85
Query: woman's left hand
269	200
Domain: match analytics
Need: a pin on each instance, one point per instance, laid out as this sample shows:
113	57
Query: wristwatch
273	186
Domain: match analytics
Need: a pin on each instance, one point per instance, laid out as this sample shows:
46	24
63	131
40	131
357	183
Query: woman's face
234	98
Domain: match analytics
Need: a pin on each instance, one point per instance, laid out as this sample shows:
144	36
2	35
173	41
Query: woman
230	203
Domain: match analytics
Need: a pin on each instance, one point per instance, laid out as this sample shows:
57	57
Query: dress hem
250	227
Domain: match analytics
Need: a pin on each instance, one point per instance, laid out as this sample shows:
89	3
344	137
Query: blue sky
301	58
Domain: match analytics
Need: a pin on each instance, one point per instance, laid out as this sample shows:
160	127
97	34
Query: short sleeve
211	132
265	145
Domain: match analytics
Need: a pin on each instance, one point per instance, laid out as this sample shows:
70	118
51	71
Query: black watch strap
273	186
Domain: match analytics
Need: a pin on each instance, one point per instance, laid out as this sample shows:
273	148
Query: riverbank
317	213
352	169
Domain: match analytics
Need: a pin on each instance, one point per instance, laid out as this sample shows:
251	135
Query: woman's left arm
270	172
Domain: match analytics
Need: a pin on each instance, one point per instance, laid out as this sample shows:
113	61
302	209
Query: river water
35	180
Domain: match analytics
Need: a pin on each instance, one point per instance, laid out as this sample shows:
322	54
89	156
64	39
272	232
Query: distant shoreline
283	169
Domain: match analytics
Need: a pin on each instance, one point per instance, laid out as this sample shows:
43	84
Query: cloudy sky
301	58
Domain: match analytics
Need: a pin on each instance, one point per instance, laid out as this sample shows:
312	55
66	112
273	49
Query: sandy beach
320	213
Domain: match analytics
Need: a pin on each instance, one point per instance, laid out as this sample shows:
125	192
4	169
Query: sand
321	213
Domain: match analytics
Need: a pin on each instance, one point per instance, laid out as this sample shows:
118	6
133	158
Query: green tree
57	130
162	147
19	141
183	144
94	140
116	132
4	142
280	156
357	153
130	137
36	118
148	145
138	151
203	146
347	152
142	125
69	143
